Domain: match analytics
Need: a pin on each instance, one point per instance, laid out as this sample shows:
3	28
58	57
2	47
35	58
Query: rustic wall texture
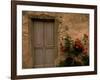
72	24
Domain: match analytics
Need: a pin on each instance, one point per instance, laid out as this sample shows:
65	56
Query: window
43	42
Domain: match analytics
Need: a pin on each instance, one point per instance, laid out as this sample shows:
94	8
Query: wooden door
43	43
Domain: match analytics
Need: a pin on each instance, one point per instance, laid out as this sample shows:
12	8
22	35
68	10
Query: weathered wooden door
43	43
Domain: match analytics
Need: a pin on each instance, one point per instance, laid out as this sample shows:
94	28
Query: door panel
49	57
49	33
38	33
39	57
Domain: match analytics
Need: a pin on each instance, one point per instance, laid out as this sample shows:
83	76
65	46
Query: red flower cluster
75	46
78	44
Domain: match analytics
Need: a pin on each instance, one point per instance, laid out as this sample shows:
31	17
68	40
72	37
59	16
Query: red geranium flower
78	46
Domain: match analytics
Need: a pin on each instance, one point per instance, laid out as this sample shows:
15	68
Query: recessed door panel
38	33
39	58
49	57
49	33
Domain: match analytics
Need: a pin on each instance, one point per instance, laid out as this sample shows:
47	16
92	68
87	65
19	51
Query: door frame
43	18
